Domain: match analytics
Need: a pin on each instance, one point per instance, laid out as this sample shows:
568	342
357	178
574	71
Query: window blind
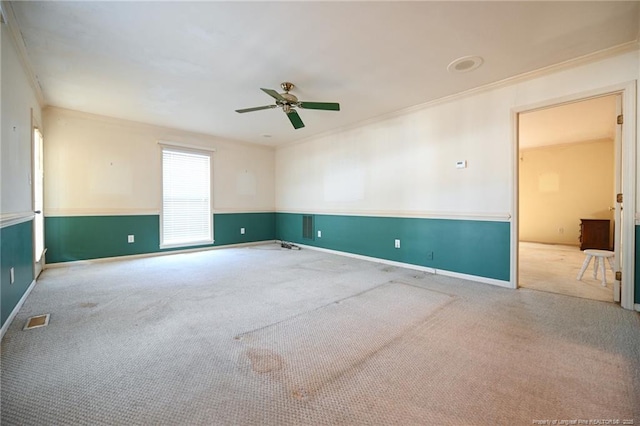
186	198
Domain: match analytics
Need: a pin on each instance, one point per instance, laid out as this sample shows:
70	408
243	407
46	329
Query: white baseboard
637	307
13	314
476	278
484	280
153	254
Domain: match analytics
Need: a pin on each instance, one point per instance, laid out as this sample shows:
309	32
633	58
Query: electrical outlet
430	255
397	244
12	275
319	234
130	239
242	231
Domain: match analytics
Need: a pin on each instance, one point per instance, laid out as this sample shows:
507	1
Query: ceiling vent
465	64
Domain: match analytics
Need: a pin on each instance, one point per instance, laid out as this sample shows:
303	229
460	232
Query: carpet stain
300	394
351	333
264	360
155	311
88	305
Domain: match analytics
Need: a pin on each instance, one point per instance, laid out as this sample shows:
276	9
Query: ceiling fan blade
295	119
256	108
273	94
327	106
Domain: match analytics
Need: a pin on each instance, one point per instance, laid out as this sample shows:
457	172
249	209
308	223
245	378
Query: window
186	198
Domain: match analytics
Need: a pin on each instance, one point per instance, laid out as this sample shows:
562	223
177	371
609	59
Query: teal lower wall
471	247
258	227
16	251
70	238
480	248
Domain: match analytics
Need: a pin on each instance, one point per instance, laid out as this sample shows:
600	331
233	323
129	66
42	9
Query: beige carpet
268	336
346	332
554	268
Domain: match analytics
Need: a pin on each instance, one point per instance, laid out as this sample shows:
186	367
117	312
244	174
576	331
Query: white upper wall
401	165
406	165
99	165
18	99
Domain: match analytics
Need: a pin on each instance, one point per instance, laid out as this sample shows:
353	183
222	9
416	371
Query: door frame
628	93
38	266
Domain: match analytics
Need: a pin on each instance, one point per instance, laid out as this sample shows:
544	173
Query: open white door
38	202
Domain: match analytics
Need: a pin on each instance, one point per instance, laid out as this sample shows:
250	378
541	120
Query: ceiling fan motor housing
291	99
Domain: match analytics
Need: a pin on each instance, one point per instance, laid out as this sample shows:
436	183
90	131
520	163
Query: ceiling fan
289	102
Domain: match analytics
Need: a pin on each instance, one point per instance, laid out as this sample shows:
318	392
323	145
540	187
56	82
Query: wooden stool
598	262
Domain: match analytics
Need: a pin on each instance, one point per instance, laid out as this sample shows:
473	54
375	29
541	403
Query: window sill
187	244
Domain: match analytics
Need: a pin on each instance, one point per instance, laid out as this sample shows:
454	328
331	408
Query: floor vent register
37	322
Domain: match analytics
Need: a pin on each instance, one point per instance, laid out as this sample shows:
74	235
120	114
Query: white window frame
187	149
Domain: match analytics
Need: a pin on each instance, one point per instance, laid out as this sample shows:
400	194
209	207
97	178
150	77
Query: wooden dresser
594	234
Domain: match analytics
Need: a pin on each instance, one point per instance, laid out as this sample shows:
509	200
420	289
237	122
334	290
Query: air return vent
37	321
307	227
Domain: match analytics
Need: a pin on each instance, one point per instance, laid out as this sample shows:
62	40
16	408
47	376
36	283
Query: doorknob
37	212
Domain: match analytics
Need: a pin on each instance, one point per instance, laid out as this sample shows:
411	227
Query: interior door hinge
618	198
618	275
620	119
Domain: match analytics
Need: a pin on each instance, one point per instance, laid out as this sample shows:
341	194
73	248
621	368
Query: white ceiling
190	65
571	123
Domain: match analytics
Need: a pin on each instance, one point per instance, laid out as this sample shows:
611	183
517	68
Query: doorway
569	173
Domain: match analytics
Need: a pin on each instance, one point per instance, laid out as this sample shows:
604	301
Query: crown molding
9	18
599	55
168	133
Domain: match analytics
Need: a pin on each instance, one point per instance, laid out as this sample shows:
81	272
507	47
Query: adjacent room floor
555	267
270	336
